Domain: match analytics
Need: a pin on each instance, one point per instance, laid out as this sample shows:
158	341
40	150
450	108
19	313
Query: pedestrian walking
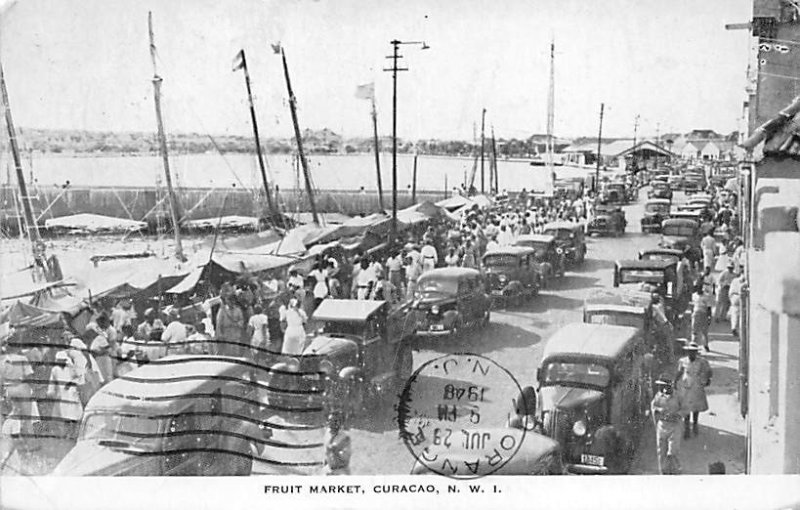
230	330
63	388
699	317
429	256
724	280
694	375
735	295
258	331
665	409
710	251
294	337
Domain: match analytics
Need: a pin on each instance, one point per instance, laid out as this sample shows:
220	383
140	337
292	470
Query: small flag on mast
238	61
366	91
276	48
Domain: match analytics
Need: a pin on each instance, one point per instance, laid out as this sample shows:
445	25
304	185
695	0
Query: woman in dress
230	330
294	338
64	382
694	375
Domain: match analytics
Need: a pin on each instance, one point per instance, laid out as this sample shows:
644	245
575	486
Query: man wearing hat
735	295
724	281
694	375
666	412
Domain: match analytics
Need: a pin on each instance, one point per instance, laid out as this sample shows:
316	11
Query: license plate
592	460
497	293
437	327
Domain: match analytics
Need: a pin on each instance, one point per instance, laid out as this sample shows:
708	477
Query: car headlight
435	309
579	428
502	278
559	250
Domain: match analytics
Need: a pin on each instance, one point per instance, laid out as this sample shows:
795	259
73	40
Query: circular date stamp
453	414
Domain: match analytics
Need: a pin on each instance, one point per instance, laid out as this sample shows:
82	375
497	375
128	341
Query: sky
85	64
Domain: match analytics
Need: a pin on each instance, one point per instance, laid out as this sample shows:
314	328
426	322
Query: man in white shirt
429	257
175	334
709	246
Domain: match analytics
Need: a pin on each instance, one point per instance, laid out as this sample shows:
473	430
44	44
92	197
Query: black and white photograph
509	253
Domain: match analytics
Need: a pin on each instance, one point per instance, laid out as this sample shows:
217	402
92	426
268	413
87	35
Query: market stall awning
94	223
225	222
21	315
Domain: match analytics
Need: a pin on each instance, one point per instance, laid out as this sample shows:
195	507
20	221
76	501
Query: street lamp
394	69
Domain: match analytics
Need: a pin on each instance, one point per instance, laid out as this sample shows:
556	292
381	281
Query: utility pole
395	56
377	152
299	138
483	140
599	149
259	153
162	139
494	164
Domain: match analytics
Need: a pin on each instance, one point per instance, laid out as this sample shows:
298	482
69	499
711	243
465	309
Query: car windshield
660	256
562	234
614	318
677	230
540	247
343	328
560	372
503	260
657	208
640	275
125	430
430	286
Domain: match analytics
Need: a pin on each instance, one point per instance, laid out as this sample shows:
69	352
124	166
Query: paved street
515	339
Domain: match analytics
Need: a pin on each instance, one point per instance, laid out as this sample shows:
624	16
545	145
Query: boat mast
299	138
377	151
33	232
414	181
483	140
259	153
162	139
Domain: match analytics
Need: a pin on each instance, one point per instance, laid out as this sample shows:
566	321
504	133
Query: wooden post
377	152
483	139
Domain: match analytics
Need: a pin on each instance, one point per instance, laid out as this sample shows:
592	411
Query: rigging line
774	75
197	117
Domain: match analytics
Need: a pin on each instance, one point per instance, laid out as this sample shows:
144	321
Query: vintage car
660	189
569	238
679	233
675	181
363	347
656	210
701	198
549	257
694	183
593	393
660	254
511	274
180	415
450	299
607	220
537	455
660	276
614	193
633	308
